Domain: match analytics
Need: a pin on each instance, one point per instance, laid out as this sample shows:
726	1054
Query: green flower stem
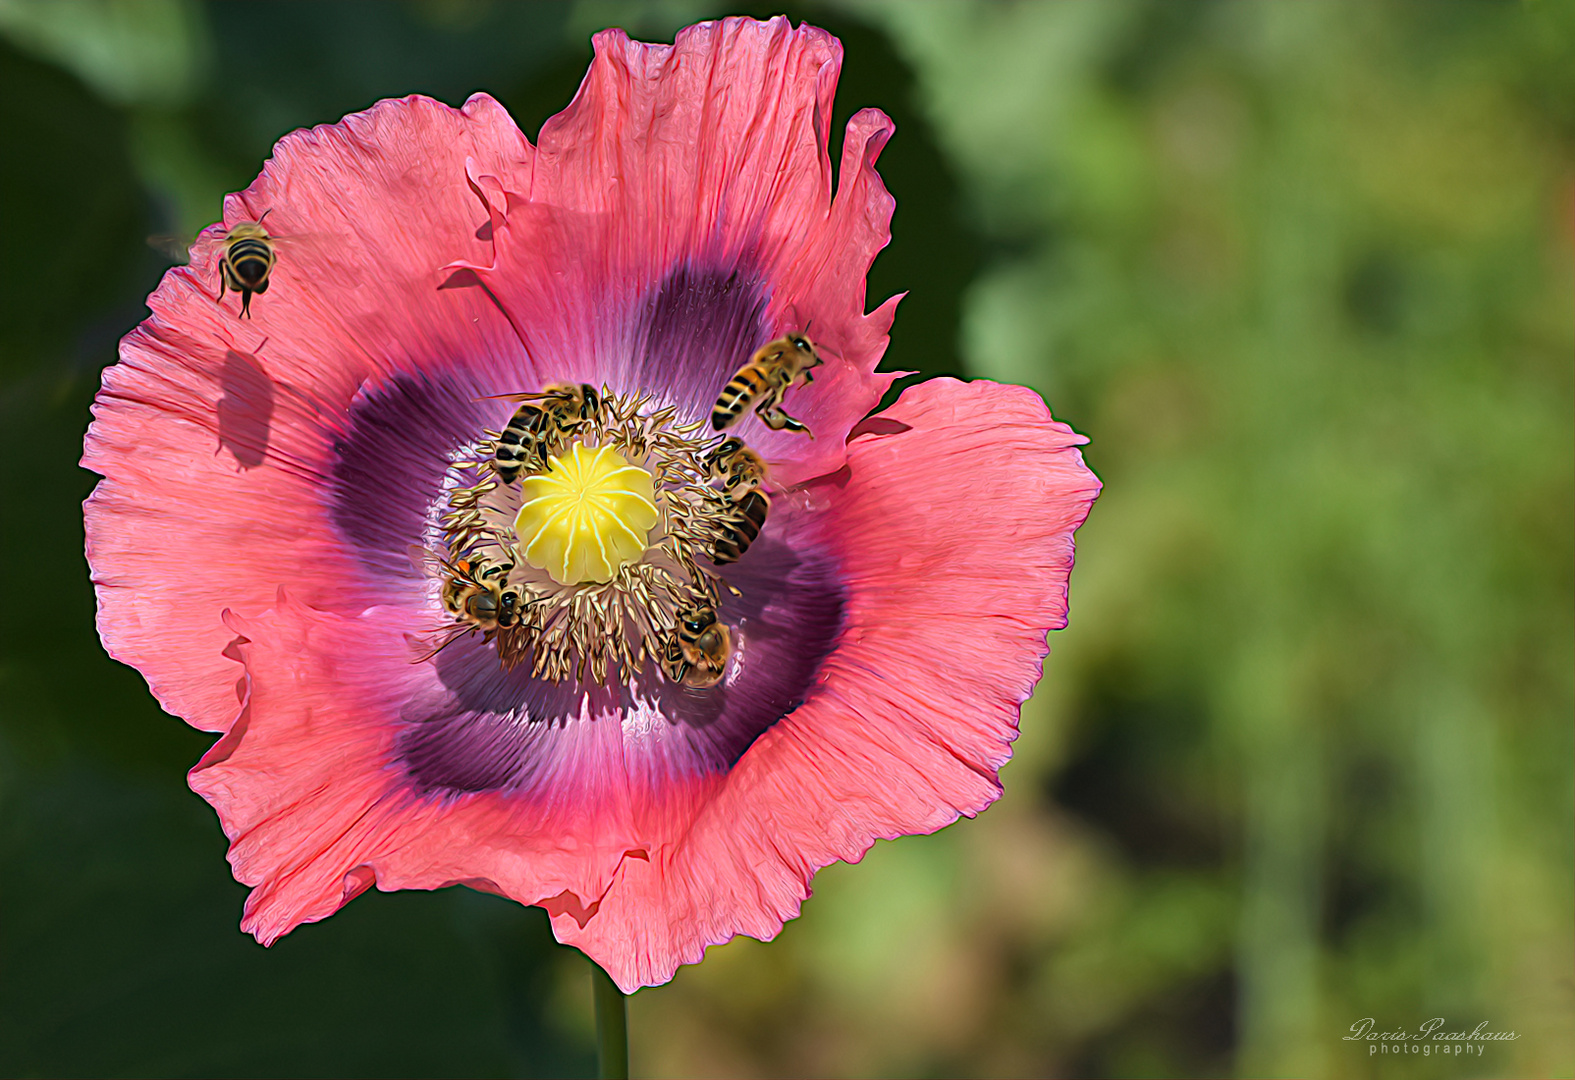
612	1026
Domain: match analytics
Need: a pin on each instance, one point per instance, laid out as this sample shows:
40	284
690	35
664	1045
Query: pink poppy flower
581	686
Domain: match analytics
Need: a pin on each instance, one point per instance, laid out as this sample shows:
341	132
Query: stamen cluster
595	628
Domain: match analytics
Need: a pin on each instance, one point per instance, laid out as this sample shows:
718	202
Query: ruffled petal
215	434
266	478
954	532
308	788
679	176
956	538
366	213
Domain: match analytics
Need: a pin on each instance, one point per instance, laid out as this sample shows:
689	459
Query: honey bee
739	527
540	426
247	261
474	594
740	469
777	367
696	654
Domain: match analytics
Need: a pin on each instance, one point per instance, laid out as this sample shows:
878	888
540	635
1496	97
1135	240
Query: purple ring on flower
266	480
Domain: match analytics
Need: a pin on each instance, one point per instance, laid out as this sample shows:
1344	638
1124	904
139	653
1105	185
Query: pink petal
678	215
957	536
308	790
707	155
214	433
955	531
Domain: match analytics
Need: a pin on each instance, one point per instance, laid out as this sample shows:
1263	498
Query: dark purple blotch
697	328
391	458
486	729
492	728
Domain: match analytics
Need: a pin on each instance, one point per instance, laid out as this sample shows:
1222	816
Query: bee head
509	603
696	620
713	640
726	449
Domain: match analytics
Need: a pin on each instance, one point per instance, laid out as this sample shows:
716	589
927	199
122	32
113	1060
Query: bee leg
674	666
246	303
702	677
775	419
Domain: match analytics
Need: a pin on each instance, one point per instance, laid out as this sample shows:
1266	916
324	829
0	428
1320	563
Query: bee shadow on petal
245	409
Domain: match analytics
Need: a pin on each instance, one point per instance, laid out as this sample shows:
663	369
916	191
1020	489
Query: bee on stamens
475	594
777	367
541	426
740	469
247	261
696	653
738	528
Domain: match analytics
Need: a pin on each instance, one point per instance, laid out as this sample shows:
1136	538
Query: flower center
588	515
589	536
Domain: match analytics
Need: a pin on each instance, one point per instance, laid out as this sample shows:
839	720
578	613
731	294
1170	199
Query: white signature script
1423	1039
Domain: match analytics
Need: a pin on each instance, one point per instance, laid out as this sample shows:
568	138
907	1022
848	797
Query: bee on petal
476	592
737	530
740	469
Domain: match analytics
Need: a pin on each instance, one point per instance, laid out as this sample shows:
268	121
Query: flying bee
697	652
738	528
541	425
740	469
777	367
247	261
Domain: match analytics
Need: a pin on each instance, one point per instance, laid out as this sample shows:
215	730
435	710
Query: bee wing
177	249
532	395
320	255
429	645
429	563
323	255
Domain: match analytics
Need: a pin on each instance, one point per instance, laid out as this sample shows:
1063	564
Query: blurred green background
1302	272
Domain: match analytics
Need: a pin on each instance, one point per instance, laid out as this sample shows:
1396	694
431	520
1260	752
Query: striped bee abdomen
747	385
740	528
520	443
540	428
248	262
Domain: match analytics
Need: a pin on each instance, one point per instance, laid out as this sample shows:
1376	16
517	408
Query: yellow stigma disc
590	513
